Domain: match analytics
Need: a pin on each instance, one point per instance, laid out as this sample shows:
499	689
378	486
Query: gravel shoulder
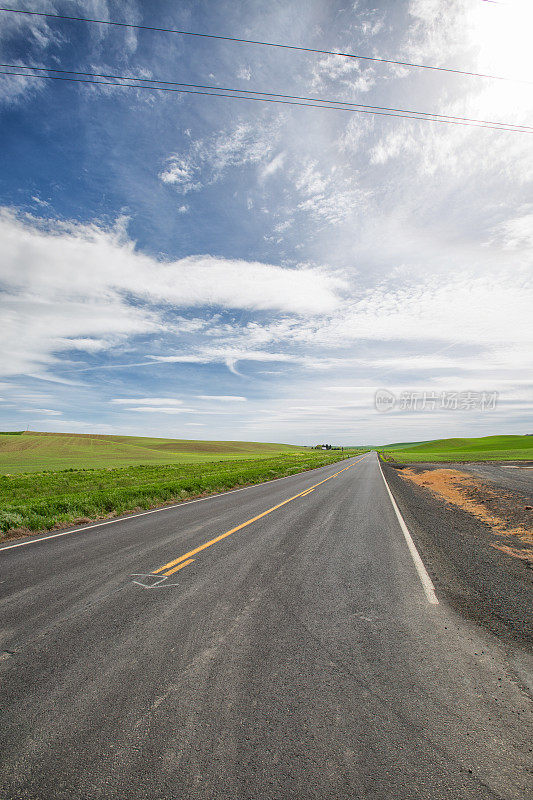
473	531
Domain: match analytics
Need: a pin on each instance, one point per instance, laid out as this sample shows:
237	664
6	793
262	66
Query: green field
486	448
44	500
35	452
405	445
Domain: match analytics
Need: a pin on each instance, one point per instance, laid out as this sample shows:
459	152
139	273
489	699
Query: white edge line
426	581
154	511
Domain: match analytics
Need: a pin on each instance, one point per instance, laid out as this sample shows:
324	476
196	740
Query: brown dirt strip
495	509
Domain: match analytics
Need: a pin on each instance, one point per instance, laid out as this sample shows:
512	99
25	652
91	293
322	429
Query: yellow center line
244	525
180	566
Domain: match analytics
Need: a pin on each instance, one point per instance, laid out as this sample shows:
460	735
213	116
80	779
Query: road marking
153	511
426	581
148	576
180	566
248	522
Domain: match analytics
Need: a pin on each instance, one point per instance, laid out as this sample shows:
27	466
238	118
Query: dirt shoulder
474	529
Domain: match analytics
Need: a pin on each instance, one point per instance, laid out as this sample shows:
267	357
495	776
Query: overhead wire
265	94
278	99
262	43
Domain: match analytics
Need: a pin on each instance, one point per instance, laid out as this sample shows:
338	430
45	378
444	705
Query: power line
266	94
261	43
401	113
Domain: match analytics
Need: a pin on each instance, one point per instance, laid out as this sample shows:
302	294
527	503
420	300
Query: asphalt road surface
303	655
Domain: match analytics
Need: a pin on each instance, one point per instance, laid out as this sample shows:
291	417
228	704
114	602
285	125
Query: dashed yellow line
187	556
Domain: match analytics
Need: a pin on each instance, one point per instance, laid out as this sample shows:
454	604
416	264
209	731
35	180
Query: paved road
298	657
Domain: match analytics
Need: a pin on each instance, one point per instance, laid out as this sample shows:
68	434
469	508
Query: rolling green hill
486	448
35	452
405	445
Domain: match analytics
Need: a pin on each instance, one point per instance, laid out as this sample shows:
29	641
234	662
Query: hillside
33	452
406	445
486	448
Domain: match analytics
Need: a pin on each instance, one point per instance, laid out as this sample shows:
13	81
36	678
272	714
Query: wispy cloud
147	401
161	409
244	73
46	411
258	270
67	288
343	73
272	166
206	160
328	196
222	398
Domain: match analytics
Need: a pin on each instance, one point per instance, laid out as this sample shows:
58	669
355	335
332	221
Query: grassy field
43	500
405	445
486	448
35	452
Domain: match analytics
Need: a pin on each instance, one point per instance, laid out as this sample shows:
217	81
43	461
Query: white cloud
354	133
14	89
66	287
244	73
223	398
224	355
401	140
429	225
46	411
162	409
419	328
147	401
482	37
515	233
347	388
42	203
343	73
87	345
495	37
38	36
180	173
273	166
327	196
206	160
283	226
54	425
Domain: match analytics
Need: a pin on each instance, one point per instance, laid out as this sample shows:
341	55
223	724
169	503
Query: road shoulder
479	581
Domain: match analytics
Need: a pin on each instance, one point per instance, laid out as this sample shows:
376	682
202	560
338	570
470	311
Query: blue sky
196	267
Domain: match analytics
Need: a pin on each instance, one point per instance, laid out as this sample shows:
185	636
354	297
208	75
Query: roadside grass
486	448
41	501
35	452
